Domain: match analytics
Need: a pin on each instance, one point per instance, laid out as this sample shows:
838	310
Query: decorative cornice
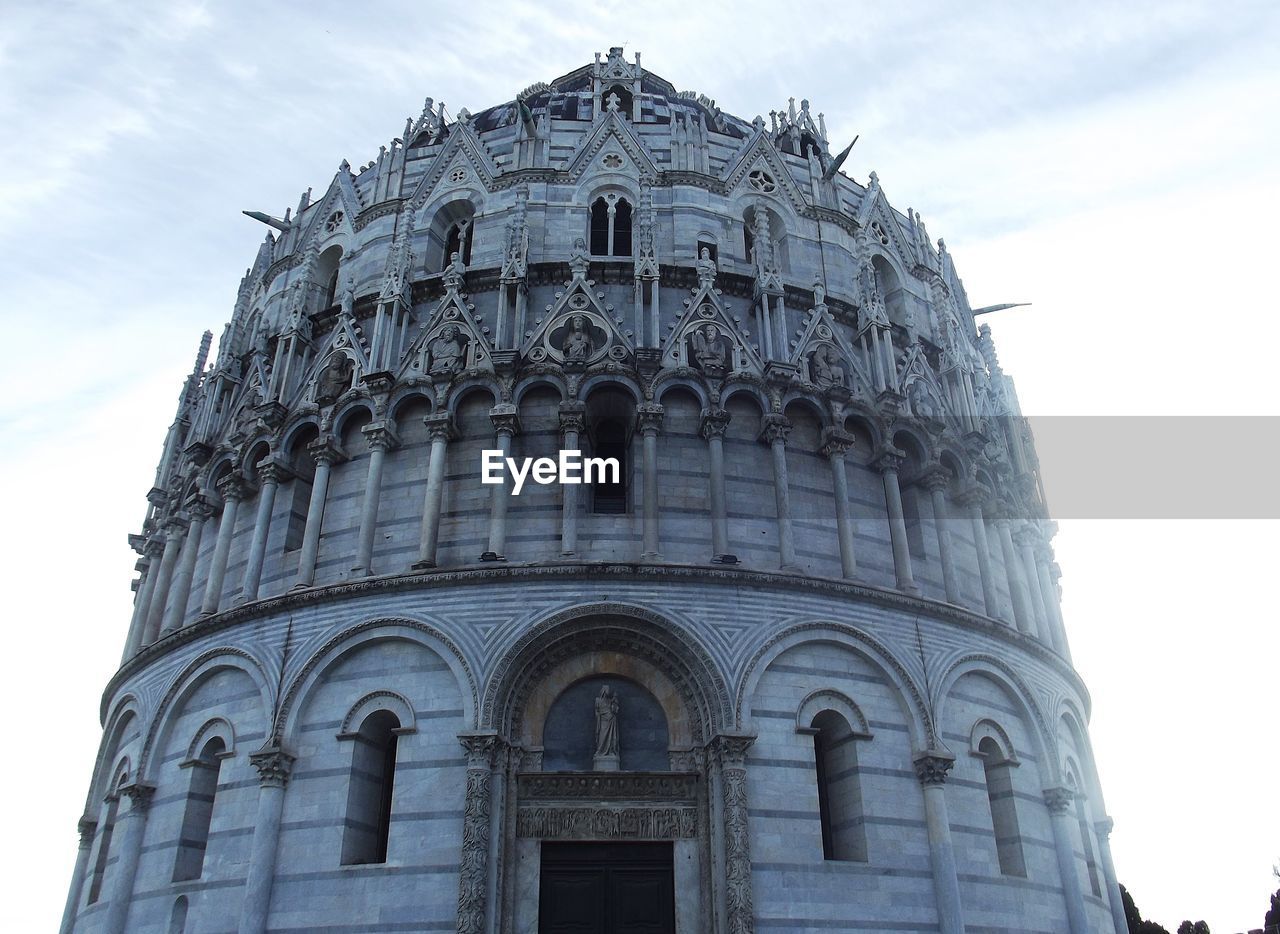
607	786
735	576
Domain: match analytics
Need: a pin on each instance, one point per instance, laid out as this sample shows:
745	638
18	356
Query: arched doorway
611	808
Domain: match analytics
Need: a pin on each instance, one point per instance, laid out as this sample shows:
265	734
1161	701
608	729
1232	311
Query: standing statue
348	298
446	352
578	259
706	267
577	345
606	723
334	379
453	272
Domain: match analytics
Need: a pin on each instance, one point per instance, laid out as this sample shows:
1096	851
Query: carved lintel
932	766
274	765
667	787
607	823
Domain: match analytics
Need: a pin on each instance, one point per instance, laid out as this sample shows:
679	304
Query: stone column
773	432
127	840
1025	538
931	769
473	866
650	417
973	500
173	530
572	423
835	444
1103	829
151	552
889	462
1025	621
271	473
440	428
506	422
87	827
714	424
232	489
937	480
381	440
731	753
1049	591
325	452
1058	801
274	766
180	589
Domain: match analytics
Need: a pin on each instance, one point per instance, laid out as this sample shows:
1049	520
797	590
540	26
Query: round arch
336	647
910	697
647	637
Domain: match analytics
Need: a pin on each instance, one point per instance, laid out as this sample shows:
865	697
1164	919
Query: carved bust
447	352
334	379
825	367
577	345
710	350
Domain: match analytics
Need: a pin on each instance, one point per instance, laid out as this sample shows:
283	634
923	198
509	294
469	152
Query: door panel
606	888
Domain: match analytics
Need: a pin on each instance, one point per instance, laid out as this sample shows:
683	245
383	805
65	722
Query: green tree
1187	927
1134	918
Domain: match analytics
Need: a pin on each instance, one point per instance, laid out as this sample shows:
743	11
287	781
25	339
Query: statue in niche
825	367
446	352
606	723
334	379
706	267
577	344
578	259
710	350
452	277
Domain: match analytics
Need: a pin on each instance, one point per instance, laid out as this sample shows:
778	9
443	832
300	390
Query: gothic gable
463	152
335	212
879	224
706	338
611	127
452	342
823	356
595	337
757	164
346	340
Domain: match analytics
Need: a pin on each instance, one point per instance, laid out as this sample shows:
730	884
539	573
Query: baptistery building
799	666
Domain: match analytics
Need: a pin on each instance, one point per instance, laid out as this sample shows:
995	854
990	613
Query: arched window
104	847
1086	839
194	836
835	754
327	268
373	773
611	441
610	226
458	240
178	917
1004	813
748	243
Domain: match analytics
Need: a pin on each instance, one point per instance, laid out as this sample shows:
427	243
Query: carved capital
381	436
86	827
154	547
326	450
1027	537
889	460
976	495
233	486
1104	827
440	426
935	478
1058	799
273	470
139	795
173	525
198	507
273	764
836	442
932	767
649	416
480	748
774	428
505	419
730	749
714	423
573	417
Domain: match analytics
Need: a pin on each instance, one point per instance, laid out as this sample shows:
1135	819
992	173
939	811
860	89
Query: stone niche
568	736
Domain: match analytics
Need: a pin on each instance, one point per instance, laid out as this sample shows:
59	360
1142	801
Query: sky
1113	164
